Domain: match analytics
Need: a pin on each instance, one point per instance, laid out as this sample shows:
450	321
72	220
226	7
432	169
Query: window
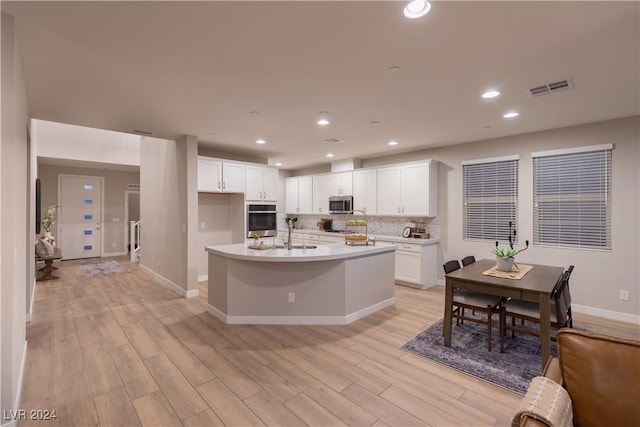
490	198
572	198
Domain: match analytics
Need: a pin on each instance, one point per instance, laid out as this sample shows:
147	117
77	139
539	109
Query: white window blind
572	198
490	199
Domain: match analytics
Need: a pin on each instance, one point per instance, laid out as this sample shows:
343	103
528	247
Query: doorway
80	200
131	213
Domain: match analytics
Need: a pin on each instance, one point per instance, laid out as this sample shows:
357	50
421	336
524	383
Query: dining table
536	285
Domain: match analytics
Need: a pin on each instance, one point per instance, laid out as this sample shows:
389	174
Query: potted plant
505	257
48	220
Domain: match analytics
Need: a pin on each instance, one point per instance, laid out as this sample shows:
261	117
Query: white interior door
80	216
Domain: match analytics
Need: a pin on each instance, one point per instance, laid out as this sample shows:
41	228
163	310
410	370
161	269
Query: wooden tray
259	247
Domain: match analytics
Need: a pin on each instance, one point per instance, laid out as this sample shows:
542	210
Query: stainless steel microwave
340	204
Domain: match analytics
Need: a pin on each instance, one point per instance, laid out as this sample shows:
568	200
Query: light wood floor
122	350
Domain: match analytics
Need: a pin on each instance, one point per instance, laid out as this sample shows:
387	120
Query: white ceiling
200	68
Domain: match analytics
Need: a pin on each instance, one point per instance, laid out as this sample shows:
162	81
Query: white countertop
378	237
323	252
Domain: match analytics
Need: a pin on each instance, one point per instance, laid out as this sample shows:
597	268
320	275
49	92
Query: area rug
514	369
103	268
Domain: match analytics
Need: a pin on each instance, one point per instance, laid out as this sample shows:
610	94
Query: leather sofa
602	377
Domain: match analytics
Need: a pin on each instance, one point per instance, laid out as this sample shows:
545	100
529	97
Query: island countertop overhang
328	252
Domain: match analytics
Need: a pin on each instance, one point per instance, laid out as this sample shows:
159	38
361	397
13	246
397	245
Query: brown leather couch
601	375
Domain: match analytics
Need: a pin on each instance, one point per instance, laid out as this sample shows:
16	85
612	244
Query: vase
504	264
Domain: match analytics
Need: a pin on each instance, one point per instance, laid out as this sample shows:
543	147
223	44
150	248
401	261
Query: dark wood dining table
536	286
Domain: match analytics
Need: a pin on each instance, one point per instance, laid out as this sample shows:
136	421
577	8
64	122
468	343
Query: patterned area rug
514	369
103	268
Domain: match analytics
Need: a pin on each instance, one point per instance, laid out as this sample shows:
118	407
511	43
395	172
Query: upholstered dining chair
468	260
475	301
528	311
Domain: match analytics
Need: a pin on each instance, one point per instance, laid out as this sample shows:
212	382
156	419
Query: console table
48	268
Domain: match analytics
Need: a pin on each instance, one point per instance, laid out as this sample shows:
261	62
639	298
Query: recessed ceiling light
374	123
392	143
394	69
330	155
510	115
323	122
278	164
416	9
260	141
490	94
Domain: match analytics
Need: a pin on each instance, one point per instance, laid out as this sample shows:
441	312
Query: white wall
115	185
168	212
598	275
88	144
16	221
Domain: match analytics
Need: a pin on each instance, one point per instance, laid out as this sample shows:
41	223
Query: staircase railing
134	240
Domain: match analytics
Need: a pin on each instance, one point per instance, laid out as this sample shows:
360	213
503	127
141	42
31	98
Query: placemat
517	272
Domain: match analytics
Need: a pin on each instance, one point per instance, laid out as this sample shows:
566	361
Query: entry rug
514	369
103	268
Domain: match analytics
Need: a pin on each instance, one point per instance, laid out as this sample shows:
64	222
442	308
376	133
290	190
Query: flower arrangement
49	218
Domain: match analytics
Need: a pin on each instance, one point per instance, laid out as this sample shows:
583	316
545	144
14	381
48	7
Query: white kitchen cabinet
215	176
299	195
409	190
321	194
365	191
341	184
416	265
261	184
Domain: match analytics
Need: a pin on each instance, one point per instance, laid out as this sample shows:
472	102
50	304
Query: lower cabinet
416	265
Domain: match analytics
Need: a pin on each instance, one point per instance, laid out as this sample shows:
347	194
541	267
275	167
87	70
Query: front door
79	216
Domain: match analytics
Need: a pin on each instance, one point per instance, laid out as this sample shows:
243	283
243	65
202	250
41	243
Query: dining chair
475	301
528	311
468	260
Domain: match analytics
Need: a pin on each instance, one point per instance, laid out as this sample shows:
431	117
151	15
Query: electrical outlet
113	245
202	226
292	297
624	295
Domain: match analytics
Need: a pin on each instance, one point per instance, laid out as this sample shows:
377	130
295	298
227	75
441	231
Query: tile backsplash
381	225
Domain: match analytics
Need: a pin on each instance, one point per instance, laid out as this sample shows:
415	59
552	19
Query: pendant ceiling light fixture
417	8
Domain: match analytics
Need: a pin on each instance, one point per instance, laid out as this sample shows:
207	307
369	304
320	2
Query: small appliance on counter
415	232
325	224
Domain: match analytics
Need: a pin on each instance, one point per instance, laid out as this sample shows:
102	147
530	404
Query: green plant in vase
505	257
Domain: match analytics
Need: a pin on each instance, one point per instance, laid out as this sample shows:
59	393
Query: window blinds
572	198
490	198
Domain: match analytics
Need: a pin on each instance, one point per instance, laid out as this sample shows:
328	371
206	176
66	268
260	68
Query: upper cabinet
261	184
409	190
299	193
321	193
341	184
215	176
365	191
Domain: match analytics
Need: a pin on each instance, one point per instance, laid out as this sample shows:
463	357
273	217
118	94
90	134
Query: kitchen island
329	284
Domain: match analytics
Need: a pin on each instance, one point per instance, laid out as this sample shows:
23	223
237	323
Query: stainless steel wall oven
261	219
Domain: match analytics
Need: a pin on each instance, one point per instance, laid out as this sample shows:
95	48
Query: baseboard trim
192	293
15	413
203	278
299	320
164	281
110	254
607	314
33	294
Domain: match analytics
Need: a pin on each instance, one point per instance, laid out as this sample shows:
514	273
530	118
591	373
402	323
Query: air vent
142	132
551	87
333	141
133	186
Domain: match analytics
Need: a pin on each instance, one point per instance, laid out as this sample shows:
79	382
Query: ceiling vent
142	132
551	87
333	141
133	186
